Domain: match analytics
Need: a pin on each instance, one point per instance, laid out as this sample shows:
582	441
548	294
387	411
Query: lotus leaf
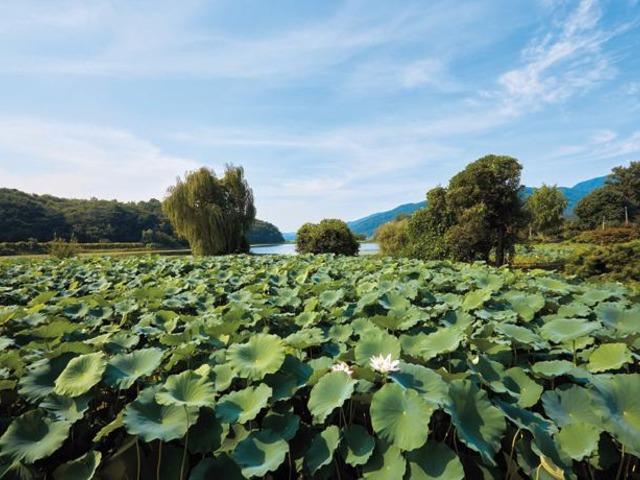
400	416
292	375
526	305
41	377
578	440
385	463
243	405
207	433
186	388
476	299
321	450
82	468
571	405
478	423
222	466
66	408
424	380
434	461
261	452
561	330
80	374
262	354
124	369
284	425
609	356
357	445
375	342
32	436
331	391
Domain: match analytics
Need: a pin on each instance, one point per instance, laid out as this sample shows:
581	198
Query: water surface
367	248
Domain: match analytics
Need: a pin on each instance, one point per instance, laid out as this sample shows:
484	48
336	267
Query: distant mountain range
368	225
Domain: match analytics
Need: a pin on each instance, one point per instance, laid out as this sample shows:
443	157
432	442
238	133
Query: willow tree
213	214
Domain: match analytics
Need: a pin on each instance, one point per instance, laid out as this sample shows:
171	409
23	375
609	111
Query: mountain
368	225
24	216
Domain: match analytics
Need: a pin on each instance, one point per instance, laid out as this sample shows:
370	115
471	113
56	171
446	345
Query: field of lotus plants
313	367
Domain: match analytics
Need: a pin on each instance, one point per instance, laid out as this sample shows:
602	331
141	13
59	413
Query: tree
605	205
212	214
479	212
626	180
393	237
545	208
328	236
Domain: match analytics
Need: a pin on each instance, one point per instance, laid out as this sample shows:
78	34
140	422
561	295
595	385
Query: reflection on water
290	249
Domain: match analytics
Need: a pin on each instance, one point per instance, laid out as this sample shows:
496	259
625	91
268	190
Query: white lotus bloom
384	364
342	367
475	360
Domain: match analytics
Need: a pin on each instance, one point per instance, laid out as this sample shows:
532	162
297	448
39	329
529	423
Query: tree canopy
328	236
213	214
545	208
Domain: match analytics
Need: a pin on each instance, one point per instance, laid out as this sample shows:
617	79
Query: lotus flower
342	367
384	364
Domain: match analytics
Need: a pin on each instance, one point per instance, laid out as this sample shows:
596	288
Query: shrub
609	236
328	236
61	248
393	238
619	261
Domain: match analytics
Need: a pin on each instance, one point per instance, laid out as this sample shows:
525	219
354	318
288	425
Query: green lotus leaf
526	419
148	419
618	400
292	375
609	356
573	404
476	299
243	405
66	408
340	333
434	461
262	354
553	285
32	436
305	338
526	305
80	374
441	341
82	468
424	380
520	385
221	466
478	423
320	452
552	368
561	330
386	462
617	316
491	372
186	388
357	445
110	427
284	425
578	440
331	391
207	433
329	298
223	376
261	452
124	369
521	335
41	377
375	342
400	416
458	319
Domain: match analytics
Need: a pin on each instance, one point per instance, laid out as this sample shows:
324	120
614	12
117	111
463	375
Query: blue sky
335	109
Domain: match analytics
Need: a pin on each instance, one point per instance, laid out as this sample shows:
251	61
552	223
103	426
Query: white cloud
83	161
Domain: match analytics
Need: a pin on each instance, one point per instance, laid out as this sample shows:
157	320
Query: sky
334	108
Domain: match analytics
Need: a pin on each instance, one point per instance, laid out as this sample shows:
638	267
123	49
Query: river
367	248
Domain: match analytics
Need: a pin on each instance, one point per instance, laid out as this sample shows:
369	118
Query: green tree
604	205
393	237
479	212
545	208
626	180
212	214
328	236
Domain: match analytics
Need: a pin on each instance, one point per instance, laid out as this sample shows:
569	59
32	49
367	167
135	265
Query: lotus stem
137	459
619	472
575	356
186	444
159	459
513	446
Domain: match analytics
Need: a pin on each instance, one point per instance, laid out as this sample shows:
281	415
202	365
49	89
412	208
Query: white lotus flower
475	360
342	367
384	364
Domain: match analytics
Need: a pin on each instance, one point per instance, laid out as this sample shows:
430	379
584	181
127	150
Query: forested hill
368	225
24	216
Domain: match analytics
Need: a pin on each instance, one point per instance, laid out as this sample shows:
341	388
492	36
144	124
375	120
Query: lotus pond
313	366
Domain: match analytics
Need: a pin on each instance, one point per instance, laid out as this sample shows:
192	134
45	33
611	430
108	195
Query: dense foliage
39	218
609	235
617	202
339	367
328	236
618	261
213	214
545	208
393	238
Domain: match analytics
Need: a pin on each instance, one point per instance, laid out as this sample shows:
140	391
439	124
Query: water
290	249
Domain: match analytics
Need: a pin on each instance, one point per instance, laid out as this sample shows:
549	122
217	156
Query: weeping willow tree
213	214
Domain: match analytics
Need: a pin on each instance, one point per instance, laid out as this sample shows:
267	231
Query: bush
609	236
619	261
393	238
328	236
61	248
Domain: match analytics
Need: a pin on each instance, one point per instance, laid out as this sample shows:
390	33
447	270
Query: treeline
41	218
481	214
